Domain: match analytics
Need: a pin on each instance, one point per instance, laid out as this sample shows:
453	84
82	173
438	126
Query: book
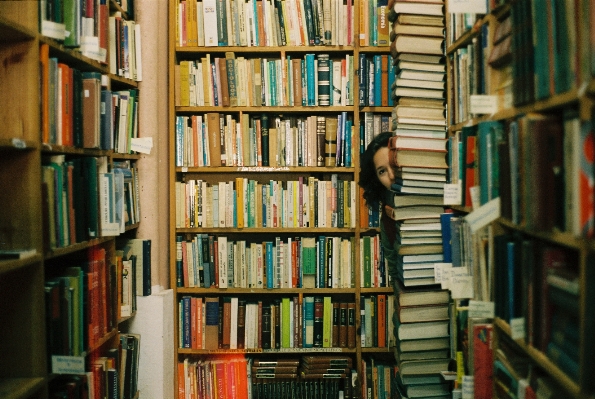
419	313
418	44
413	211
418	7
417	143
419	158
395	200
482	342
422	330
420	296
141	248
426	366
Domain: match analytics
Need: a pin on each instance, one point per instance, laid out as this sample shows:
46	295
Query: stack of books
423	351
418	148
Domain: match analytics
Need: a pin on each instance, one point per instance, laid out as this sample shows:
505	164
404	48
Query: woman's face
384	172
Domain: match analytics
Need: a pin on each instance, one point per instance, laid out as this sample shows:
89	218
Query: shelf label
467	6
54	30
481	309
68	364
452	194
517	328
483	104
142	144
461	286
468	387
483	216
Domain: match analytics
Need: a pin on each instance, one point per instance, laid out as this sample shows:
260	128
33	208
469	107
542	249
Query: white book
222	254
233	337
210	23
200	28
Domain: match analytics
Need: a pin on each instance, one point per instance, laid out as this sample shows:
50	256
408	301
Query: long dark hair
368	180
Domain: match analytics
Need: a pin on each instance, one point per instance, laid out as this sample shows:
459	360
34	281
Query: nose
391	174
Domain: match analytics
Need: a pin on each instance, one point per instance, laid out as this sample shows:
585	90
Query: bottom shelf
21	388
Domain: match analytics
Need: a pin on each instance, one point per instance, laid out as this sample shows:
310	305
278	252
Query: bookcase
259	144
531	64
37	246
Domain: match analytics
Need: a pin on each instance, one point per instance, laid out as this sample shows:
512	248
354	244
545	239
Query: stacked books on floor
418	151
423	351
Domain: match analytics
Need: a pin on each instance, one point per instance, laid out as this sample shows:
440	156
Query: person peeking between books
375	178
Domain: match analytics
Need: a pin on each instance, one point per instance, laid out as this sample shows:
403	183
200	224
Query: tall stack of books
418	148
418	152
423	351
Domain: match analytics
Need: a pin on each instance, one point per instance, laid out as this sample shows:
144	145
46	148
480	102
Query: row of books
217	139
89	28
83	200
376	76
540	283
495	152
114	376
264	23
376	321
79	111
85	301
213	323
230	81
300	262
256	377
248	203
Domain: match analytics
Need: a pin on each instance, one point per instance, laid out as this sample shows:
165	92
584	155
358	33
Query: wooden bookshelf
570	105
263	174
25	371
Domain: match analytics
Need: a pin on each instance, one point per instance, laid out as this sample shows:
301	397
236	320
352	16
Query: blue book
205	261
378	80
371	81
348	143
186	339
308	326
489	133
310	80
541	37
363	80
392	75
446	236
512	298
269	265
455	241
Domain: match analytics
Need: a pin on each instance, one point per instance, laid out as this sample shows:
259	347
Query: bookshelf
29	143
266	90
533	252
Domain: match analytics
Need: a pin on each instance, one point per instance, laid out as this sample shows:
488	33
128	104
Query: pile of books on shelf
422	330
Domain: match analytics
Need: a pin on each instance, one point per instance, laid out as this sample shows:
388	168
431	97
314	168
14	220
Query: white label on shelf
474	192
467	6
452	194
482	309
517	328
445	280
461	286
54	30
142	144
483	104
438	271
468	387
68	364
483	216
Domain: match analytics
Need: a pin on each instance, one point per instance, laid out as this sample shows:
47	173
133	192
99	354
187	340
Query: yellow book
184	84
327	322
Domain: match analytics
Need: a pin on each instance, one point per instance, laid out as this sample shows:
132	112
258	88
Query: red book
181	382
483	360
381	317
220	378
226	338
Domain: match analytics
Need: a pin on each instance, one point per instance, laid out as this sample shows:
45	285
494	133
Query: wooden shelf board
269	49
265	230
288	351
288	109
15	264
542	360
265	169
264	291
20	388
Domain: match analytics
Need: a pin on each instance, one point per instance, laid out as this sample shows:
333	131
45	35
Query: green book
327	322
